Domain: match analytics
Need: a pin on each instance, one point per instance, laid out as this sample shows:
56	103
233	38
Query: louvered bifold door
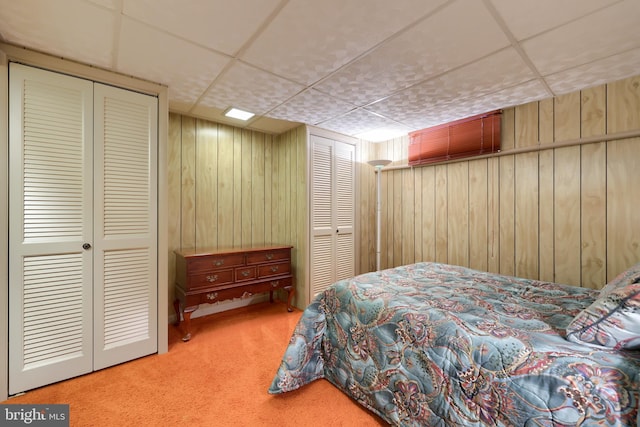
344	210
322	223
125	250
50	218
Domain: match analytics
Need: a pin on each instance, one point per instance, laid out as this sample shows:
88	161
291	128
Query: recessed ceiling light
239	114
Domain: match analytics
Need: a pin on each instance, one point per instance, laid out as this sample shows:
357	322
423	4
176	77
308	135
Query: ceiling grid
349	66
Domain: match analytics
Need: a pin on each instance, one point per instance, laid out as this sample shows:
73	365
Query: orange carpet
219	378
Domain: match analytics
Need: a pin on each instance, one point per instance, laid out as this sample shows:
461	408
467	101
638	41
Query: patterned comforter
438	345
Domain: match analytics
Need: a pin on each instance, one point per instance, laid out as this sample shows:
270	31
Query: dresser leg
186	313
291	291
176	307
187	322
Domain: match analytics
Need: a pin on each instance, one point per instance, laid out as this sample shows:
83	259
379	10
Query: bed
433	344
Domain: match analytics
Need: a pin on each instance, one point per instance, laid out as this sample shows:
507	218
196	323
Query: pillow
621	280
613	320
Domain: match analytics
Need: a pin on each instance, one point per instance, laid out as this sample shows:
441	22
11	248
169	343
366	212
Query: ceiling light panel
236	113
186	68
240	84
309	39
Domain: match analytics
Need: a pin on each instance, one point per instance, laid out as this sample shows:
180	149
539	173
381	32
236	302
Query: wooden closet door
50	219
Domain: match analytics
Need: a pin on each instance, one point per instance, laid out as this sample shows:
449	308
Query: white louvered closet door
332	212
344	210
83	227
322	225
50	218
125	247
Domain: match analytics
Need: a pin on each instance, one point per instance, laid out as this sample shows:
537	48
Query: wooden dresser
204	276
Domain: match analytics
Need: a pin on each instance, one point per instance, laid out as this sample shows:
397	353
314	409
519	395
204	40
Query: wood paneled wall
230	187
365	209
557	213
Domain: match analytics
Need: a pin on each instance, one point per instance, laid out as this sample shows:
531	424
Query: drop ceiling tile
238	86
186	68
527	18
361	120
309	39
607	32
491	74
53	27
425	112
109	4
311	107
272	126
180	107
524	93
521	94
221	25
612	68
427	49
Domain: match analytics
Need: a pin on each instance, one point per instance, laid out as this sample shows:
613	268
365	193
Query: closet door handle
86	246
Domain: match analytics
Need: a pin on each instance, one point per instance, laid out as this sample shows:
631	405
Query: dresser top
197	252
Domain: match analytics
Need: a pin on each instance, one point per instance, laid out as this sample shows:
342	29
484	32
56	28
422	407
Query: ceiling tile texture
350	66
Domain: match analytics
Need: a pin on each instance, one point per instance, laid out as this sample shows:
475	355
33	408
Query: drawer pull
275	283
218	262
245	273
275	268
212	278
269	257
212	295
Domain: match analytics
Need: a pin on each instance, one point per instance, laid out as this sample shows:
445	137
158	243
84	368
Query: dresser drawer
211	278
221	295
268	256
245	273
213	262
270	285
275	269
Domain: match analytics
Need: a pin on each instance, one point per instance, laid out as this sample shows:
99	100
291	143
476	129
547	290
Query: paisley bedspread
438	345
